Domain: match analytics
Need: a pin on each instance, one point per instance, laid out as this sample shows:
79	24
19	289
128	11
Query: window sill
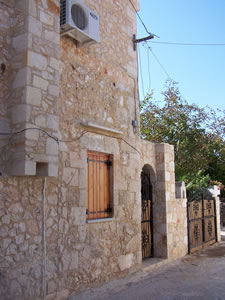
100	220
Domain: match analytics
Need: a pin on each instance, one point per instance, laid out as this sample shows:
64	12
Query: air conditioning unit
78	21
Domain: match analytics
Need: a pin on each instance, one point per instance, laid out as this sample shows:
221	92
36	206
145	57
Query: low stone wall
177	223
177	229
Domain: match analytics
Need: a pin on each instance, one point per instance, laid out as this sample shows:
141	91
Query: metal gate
201	221
146	216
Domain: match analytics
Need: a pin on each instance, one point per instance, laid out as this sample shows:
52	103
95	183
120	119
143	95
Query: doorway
147	213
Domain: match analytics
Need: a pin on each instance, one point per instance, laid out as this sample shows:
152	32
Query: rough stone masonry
50	88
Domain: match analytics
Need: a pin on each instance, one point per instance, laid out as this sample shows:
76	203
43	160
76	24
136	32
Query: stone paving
197	276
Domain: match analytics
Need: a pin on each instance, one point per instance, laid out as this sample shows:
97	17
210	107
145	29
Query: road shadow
223	237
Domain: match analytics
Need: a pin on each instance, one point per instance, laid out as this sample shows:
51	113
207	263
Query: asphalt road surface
198	276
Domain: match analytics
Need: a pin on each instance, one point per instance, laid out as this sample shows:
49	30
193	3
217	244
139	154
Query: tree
198	134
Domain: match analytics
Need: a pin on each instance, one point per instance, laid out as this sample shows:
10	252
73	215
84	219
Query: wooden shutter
98	185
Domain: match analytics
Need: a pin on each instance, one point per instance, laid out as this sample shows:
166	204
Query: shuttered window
99	185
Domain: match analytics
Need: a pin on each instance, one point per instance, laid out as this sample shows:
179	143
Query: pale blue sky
199	70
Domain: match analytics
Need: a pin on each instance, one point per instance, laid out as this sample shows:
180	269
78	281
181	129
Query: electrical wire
135	105
44	245
130	145
149	73
186	44
120	138
156	58
142	80
139	17
142	22
56	139
73	140
5	4
29	128
141	73
163	68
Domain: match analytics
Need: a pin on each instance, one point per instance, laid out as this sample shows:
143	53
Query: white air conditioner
78	21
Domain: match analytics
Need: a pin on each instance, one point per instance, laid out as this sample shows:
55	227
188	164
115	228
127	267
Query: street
197	276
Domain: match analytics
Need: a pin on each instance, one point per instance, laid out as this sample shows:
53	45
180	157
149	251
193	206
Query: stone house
74	171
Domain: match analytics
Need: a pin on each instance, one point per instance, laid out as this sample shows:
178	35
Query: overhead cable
156	58
142	80
142	22
149	73
186	44
57	140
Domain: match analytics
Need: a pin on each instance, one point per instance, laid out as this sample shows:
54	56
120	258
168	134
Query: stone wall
178	223
47	246
32	65
78	99
21	231
7	21
98	84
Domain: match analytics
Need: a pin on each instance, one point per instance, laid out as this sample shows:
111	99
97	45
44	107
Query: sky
199	70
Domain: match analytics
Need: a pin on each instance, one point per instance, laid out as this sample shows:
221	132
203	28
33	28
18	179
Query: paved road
199	276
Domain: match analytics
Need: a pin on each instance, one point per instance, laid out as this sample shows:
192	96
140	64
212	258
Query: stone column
165	197
8	22
32	105
171	212
215	191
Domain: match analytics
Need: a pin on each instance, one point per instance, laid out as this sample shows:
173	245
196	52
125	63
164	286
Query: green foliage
198	135
197	181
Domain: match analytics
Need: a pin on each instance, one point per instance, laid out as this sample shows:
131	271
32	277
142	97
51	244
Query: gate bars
201	221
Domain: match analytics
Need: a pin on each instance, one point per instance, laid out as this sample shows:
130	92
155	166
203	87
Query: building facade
71	158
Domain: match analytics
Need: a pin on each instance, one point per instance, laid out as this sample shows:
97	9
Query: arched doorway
146	215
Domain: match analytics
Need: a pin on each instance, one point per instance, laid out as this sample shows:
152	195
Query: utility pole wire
186	44
57	140
156	58
142	22
142	80
149	73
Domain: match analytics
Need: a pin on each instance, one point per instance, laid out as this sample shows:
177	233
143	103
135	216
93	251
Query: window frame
96	166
